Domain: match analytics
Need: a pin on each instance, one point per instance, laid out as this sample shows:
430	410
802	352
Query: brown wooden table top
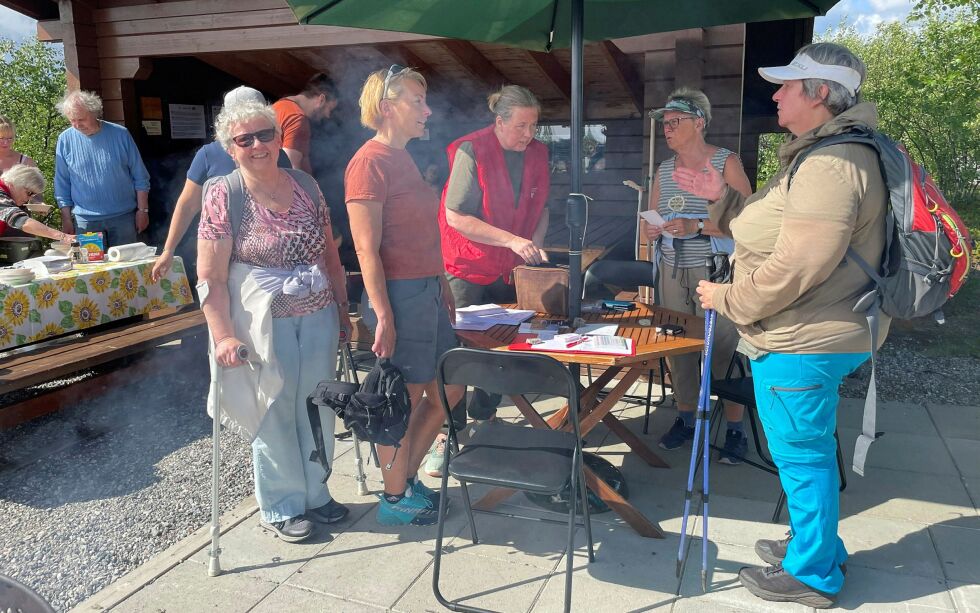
649	344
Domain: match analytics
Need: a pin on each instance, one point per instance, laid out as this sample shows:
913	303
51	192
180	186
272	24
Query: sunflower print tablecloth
89	295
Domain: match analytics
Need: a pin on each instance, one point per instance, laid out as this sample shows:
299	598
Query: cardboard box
94	245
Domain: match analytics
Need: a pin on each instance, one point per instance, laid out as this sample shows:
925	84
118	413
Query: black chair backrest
620	273
508	374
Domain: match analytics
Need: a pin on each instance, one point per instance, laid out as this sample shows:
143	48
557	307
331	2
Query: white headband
805	67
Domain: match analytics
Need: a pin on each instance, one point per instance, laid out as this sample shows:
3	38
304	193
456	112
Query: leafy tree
32	80
924	76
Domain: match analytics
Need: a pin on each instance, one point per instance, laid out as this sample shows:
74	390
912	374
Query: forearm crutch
349	370
214	562
702	430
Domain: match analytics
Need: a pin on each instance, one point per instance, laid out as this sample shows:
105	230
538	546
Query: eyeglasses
676	121
393	71
8	138
248	139
30	194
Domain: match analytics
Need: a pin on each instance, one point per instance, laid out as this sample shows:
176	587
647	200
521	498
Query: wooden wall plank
178	9
192	23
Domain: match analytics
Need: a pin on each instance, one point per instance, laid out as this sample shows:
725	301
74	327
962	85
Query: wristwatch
700	226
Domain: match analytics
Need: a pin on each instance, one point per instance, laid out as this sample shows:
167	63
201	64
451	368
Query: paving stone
289	598
476	581
188	588
891	545
956	421
900	451
869	589
973	489
905	417
966	596
915	497
966	454
521	541
958	543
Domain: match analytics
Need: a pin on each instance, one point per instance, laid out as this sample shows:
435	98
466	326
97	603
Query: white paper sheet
482	317
653	218
608	345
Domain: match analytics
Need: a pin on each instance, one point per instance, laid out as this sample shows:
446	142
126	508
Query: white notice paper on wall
187	121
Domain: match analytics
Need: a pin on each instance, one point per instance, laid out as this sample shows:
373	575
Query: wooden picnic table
650	347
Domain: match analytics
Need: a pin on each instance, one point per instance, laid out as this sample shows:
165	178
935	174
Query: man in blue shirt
100	182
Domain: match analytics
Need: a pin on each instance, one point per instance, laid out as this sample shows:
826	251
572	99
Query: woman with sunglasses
8	156
211	160
394	222
683	243
18	184
273	285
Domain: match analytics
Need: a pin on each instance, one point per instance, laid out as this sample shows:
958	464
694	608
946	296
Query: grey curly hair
83	100
240	113
24	176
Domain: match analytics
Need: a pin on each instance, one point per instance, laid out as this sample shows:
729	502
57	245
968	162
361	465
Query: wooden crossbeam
476	63
623	69
555	72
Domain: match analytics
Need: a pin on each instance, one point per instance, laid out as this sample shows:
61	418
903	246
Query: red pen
577	341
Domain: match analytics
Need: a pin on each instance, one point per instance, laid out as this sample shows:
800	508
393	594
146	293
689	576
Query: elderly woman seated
17	186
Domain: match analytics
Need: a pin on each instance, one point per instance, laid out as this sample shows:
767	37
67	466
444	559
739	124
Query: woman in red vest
493	215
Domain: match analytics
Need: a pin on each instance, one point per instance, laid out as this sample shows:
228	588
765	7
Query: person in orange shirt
294	113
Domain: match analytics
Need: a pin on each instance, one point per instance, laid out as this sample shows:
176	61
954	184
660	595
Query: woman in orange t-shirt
394	224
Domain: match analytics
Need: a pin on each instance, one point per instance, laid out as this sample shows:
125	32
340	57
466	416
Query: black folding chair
740	390
532	459
626	274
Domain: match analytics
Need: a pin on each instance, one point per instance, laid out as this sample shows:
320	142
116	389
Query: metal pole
214	563
575	216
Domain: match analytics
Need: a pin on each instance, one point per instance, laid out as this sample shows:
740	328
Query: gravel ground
92	492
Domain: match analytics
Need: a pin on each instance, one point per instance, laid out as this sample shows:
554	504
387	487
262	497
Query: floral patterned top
268	239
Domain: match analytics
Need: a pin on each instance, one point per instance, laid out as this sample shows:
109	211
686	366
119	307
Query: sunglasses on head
248	139
393	71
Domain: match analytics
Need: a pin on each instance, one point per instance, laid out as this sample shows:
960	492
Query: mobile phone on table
670	329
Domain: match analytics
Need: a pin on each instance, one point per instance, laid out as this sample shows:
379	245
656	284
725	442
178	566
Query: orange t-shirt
410	246
294	125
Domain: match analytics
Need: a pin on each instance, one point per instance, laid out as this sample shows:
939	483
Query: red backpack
927	252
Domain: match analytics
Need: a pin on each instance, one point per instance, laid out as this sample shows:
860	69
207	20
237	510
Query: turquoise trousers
797	396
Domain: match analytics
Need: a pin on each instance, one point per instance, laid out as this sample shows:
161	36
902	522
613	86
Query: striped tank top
675	202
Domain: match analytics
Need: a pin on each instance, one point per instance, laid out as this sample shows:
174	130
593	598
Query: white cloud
16	26
885	6
864	15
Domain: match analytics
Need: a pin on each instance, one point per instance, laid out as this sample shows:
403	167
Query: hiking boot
330	513
736	446
410	510
677	435
292	530
773	583
423	490
773	552
437	453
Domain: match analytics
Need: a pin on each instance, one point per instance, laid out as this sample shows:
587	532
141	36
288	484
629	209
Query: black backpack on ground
376	412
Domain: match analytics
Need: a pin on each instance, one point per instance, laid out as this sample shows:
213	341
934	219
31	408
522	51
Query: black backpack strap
320	453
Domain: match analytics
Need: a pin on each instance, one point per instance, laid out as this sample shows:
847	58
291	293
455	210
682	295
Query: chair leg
436	565
779	506
587	514
469	512
841	470
570	547
754	425
646	416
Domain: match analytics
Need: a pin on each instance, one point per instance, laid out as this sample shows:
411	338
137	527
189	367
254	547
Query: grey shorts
422	328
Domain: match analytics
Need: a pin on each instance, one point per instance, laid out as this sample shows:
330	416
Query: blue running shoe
677	435
428	493
415	510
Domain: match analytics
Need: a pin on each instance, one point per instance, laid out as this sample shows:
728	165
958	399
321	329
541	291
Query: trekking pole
214	562
701	437
349	370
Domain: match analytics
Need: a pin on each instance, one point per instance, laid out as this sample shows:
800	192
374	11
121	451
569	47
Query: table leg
643	526
588	399
634	442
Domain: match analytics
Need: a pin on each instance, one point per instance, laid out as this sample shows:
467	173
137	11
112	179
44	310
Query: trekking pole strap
868	425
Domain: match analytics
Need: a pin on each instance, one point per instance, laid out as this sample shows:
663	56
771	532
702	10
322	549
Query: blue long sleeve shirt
98	176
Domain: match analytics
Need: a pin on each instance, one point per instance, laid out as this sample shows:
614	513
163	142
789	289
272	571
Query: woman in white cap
211	160
683	244
791	300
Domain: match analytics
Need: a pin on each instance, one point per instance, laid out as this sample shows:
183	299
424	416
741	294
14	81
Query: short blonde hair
370	101
80	99
6	126
24	176
235	114
698	98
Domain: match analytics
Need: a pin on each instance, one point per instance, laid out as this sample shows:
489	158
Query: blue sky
863	14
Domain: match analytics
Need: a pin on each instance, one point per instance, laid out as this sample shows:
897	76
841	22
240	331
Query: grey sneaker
330	513
292	530
773	552
774	584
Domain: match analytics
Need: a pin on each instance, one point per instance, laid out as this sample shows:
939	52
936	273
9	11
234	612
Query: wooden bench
59	358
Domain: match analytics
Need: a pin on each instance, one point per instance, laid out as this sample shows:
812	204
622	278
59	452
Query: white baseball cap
805	67
244	94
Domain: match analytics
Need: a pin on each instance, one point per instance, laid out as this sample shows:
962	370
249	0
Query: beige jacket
792	291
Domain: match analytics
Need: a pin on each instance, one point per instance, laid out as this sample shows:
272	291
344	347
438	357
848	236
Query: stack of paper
579	343
480	317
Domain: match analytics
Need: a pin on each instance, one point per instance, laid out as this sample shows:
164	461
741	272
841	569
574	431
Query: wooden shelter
143	56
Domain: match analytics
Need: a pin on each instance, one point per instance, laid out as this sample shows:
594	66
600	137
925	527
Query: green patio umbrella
543	25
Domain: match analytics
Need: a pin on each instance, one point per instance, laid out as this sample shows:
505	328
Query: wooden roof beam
624	70
555	72
250	74
476	63
35	9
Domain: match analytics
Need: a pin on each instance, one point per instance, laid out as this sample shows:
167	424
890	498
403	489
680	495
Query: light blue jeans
287	483
797	396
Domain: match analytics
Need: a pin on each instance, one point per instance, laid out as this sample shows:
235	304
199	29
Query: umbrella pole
577	211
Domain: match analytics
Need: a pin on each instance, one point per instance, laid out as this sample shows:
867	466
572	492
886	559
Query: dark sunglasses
393	71
248	139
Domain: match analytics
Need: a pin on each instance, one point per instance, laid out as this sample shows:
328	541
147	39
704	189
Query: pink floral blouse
273	240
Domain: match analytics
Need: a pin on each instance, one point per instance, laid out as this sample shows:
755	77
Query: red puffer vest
483	264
